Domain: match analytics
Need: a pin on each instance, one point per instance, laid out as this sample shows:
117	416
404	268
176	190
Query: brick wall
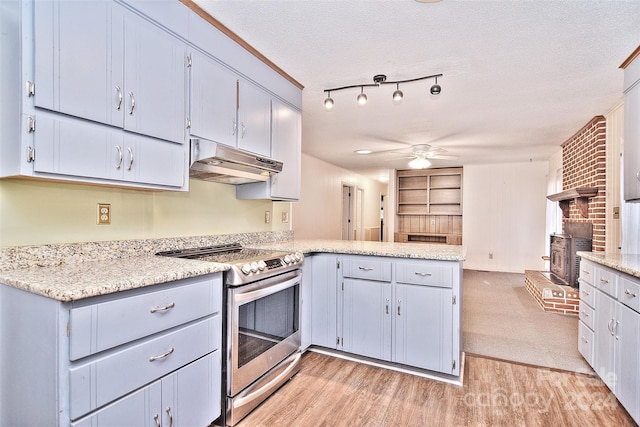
584	165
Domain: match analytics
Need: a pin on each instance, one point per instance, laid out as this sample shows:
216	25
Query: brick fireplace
583	168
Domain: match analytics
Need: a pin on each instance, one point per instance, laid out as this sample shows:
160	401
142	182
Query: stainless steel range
262	322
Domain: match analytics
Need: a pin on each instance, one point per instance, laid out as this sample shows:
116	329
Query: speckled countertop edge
625	263
69	272
388	249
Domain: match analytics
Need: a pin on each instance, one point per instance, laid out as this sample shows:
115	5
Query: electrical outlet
267	217
285	217
490	255
104	214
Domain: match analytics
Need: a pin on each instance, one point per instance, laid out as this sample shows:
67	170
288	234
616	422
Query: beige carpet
501	319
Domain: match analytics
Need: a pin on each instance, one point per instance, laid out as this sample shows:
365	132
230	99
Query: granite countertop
400	250
70	282
74	271
625	263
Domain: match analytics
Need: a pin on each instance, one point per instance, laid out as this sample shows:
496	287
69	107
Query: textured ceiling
520	77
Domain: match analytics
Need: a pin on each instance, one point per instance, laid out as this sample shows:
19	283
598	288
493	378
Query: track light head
328	103
362	98
435	89
397	95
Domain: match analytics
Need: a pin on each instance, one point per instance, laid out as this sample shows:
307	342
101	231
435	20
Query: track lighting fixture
328	103
397	95
362	98
435	89
381	79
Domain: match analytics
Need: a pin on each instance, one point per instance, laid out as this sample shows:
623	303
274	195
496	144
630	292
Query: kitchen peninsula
62	331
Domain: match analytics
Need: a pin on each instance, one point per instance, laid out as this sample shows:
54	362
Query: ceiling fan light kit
381	79
419	162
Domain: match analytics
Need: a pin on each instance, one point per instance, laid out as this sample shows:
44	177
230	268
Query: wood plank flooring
329	391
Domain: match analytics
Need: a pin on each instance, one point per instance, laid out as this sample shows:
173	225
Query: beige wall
318	213
504	214
34	212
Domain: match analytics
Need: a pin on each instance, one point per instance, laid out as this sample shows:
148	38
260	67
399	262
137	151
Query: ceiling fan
420	154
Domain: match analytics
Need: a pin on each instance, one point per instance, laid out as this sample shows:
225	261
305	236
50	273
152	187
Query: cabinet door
192	395
79	59
152	161
155	81
604	327
628	360
286	143
631	154
366	328
423	327
141	408
254	119
324	311
213	104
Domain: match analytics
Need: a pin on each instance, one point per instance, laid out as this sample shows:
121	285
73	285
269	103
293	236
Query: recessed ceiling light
363	151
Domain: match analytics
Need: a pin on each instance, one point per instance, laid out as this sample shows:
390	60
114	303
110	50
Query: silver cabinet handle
168	410
638	175
156	418
610	326
244	129
162	356
586	271
387	307
164	308
366	268
585	292
584	340
133	103
630	294
119	104
585	313
418	273
399	302
130	150
119	162
235	127
603	280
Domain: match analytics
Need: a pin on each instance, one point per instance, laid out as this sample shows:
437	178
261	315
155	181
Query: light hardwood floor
334	392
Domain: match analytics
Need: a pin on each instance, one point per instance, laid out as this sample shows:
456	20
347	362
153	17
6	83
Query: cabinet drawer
100	326
586	314
587	272
629	293
585	342
607	281
428	273
105	379
367	268
587	293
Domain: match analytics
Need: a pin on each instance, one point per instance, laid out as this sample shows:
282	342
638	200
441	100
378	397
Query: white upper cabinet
286	143
213	104
101	62
254	119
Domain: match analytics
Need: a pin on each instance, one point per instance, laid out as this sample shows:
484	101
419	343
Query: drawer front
587	272
105	379
586	314
629	293
585	342
104	325
428	273
367	268
587	293
607	281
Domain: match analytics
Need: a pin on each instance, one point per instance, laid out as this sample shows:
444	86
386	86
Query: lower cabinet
394	310
616	333
148	357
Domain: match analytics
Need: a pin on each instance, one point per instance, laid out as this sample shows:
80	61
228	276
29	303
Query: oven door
263	328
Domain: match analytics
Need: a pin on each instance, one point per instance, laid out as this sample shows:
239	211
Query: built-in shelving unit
429	205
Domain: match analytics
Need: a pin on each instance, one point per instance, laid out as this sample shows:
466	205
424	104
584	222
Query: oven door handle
268	386
240	295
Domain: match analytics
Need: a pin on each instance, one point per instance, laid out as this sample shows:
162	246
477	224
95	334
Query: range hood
211	161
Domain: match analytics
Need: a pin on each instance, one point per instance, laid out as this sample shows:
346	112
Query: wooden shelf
581	197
